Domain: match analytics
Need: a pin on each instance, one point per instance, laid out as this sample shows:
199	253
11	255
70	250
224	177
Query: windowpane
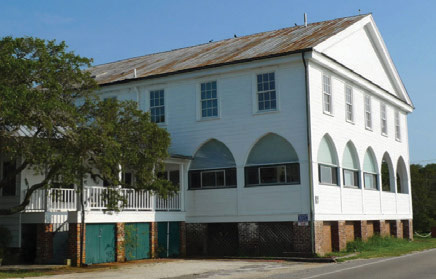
328	174
368	117
266	94
351	178
293	173
273	174
370	180
230	177
194	180
157	106
349	103
209	100
9	189
397	126
251	176
327	94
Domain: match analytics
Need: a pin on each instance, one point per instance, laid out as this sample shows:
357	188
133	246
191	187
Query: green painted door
168	238
100	243
137	241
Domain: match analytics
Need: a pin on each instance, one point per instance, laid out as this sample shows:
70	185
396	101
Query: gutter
309	153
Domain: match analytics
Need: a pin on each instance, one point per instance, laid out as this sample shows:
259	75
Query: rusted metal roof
235	50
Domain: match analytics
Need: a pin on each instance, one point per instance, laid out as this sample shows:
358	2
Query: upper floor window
327	94
383	119
368	113
266	92
397	126
327	162
157	106
10	188
209	100
349	103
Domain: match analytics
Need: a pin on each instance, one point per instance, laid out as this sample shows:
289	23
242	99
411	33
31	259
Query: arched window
350	166
272	161
370	170
213	166
327	162
402	180
387	177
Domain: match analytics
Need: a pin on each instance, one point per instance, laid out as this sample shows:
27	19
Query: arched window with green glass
370	170
387	174
402	178
350	166
272	161
327	162
213	166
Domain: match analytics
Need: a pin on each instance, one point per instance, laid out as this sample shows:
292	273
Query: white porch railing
52	200
95	199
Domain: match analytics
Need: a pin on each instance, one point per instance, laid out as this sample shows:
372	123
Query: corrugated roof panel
234	50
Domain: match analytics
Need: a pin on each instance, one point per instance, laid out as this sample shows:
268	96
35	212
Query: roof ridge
254	34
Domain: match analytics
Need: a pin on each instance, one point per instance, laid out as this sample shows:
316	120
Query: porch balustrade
95	198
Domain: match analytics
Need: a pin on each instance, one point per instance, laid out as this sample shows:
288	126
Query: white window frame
327	92
353	171
164	105
257	92
368	112
397	126
373	175
207	99
383	119
198	100
254	98
349	108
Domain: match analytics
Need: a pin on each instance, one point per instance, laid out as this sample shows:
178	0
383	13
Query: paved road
420	265
413	266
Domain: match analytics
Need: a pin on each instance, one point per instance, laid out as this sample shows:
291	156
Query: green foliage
423	196
52	121
378	246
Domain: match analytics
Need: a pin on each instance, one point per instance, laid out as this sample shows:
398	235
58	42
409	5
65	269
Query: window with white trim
266	92
370	171
272	174
209	99
383	119
368	113
397	126
349	103
157	106
327	94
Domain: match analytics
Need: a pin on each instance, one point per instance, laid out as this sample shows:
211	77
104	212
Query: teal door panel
168	239
107	243
100	243
174	241
137	241
162	231
143	241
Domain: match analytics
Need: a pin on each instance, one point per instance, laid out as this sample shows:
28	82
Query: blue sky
113	30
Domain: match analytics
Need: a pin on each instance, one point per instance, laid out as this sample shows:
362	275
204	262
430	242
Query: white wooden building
274	128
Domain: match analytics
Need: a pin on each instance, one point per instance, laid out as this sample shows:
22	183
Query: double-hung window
349	103
368	113
266	92
209	99
383	119
157	106
397	126
327	94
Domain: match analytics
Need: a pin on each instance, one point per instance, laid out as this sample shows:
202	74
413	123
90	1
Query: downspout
309	152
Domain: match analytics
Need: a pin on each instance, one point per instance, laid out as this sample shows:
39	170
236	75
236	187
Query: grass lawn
384	247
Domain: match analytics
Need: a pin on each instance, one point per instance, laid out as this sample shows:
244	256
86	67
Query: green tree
52	122
423	196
